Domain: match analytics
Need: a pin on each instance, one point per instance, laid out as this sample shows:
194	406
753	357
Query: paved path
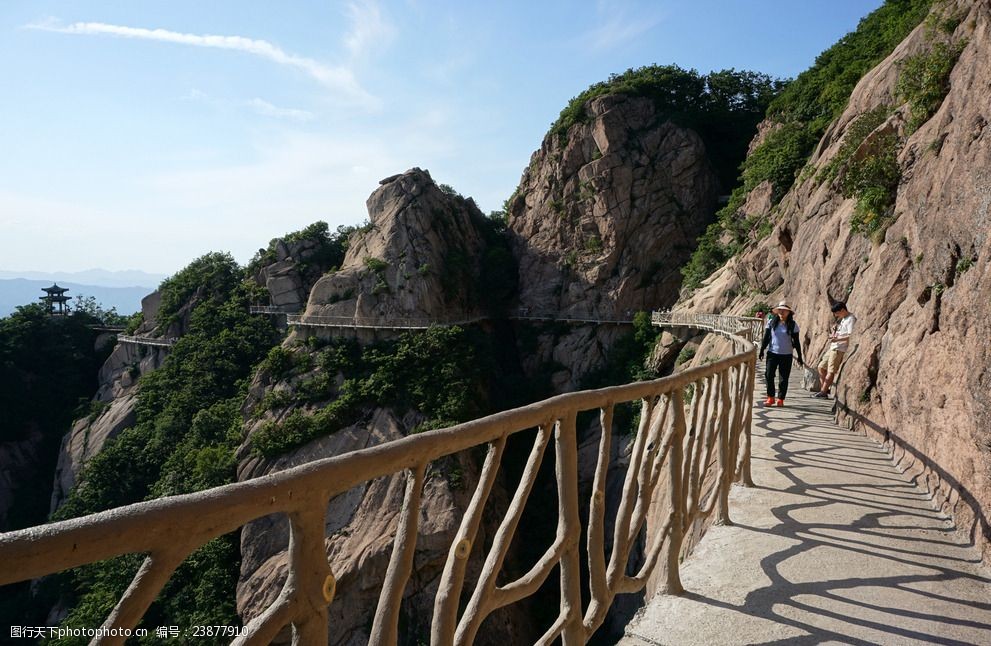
835	545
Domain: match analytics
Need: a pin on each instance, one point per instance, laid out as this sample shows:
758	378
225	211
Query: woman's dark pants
774	363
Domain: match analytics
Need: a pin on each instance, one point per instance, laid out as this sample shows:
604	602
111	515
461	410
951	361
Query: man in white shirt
829	365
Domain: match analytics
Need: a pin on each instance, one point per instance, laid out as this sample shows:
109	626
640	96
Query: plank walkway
835	545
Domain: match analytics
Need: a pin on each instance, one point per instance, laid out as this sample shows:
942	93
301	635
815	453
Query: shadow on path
849	549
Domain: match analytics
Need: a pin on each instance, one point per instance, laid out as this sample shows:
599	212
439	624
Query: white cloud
266	109
618	28
369	28
338	79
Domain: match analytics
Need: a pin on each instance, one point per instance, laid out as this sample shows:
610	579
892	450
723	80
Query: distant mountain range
21	291
97	277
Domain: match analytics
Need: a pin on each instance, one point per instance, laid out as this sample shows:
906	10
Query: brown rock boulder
603	220
419	258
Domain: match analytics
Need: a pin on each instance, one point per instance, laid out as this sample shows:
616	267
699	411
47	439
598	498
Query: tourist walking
780	341
829	365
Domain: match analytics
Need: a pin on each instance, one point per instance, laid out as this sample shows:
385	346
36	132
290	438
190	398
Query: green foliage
440	373
133	322
89	306
279	362
375	264
820	93
329	251
187	429
212	273
447	189
47	365
854	137
723	107
873	180
924	80
779	158
687	354
803	110
593	244
709	255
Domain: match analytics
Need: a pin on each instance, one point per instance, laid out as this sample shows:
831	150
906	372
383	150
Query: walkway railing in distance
673	448
374	323
158	342
107	328
270	309
383	323
749	327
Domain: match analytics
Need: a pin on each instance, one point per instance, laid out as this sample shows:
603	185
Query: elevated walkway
155	342
382	323
834	545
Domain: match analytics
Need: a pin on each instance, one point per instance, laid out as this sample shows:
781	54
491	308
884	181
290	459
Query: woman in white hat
781	334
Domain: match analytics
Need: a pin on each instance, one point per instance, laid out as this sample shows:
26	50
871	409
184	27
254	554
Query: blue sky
140	135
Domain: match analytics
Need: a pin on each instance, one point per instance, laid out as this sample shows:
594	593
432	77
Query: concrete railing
270	309
158	342
748	327
376	323
674	444
383	323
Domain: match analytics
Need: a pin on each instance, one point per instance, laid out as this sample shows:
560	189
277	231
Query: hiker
829	365
781	334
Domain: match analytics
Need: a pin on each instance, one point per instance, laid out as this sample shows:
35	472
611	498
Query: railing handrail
422	323
749	327
271	309
302	493
163	342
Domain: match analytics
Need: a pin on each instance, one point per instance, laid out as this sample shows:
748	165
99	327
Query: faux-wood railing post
566	452
386	625
745	478
727	461
309	572
675	464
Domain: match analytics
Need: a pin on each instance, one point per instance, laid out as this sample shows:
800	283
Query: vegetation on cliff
723	107
48	365
188	425
798	118
446	374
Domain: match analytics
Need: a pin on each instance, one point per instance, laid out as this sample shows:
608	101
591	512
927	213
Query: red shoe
780	403
769	401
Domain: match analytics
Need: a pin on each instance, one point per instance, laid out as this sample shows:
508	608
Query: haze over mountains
122	290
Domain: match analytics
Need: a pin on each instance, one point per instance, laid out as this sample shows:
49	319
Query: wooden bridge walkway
835	545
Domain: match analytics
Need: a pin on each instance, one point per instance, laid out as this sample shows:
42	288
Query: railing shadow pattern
674	443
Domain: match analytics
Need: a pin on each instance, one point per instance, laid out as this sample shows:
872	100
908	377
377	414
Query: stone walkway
835	545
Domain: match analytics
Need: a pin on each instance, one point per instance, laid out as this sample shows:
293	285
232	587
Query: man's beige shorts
831	361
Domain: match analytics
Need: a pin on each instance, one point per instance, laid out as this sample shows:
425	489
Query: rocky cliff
602	221
892	216
422	256
605	216
116	399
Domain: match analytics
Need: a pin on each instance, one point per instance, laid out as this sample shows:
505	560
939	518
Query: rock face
602	223
16	459
292	274
360	529
419	258
117	390
919	372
